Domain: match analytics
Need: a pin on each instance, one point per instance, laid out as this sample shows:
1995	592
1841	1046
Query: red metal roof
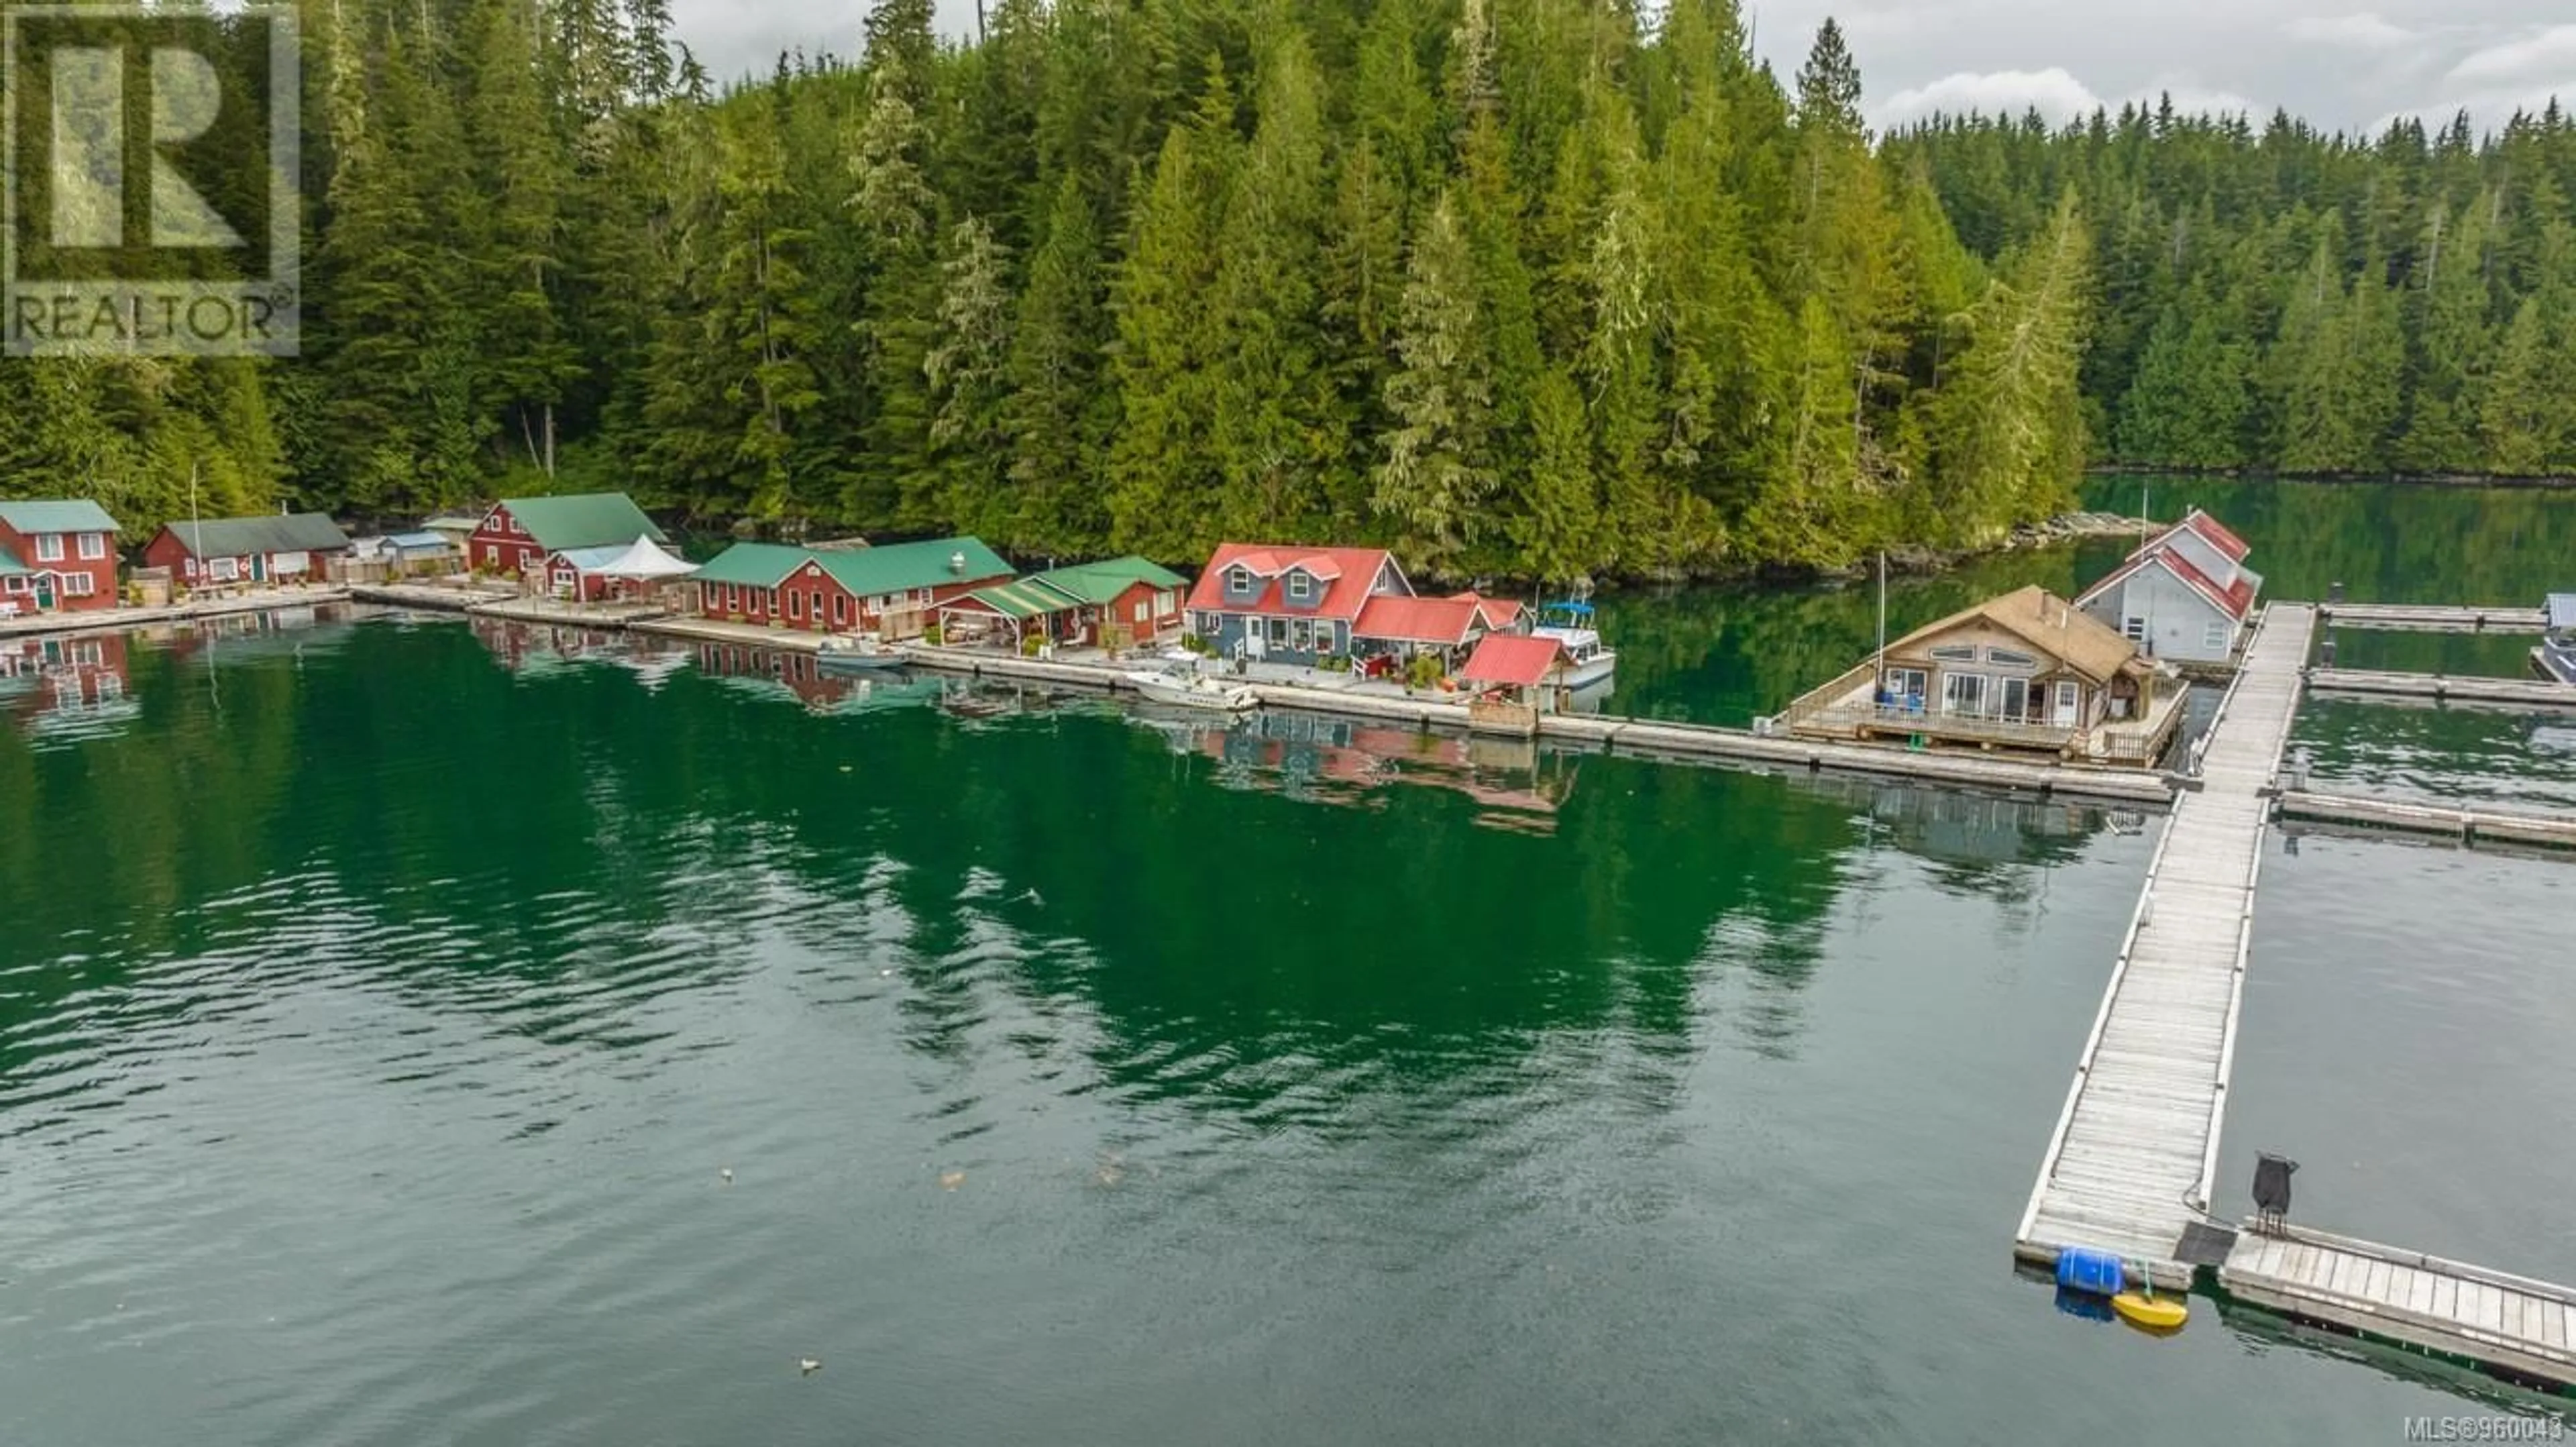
1499	613
1348	576
1514	660
2236	601
2209	529
2217	534
1394	618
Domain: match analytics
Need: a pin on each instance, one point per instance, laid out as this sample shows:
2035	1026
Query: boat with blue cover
2556	656
1570	623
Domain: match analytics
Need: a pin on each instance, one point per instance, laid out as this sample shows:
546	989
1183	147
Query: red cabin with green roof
844	590
523	535
56	556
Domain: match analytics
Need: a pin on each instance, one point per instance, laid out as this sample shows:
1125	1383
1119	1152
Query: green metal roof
9	564
582	520
303	532
866	572
1023	600
754	565
1103	581
905	566
73	516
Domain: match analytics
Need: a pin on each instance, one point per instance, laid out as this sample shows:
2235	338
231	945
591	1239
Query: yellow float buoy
2151	1313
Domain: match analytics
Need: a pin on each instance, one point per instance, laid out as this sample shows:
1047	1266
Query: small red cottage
523	535
223	552
56	556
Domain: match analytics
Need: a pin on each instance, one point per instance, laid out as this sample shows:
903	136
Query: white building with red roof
2184	595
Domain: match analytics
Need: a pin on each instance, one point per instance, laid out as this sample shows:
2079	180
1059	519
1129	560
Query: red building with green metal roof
889	589
56	556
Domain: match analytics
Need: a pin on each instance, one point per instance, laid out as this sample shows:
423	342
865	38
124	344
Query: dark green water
379	1005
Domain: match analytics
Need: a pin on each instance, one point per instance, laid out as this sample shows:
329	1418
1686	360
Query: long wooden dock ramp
2129	1166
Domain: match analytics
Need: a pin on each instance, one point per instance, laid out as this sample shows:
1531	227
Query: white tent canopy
645	560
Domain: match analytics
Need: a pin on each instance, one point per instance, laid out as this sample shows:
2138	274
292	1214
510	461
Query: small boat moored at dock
1194	690
2555	658
859	655
1570	623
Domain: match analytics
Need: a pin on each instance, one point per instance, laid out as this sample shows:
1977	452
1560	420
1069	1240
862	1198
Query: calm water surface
379	1005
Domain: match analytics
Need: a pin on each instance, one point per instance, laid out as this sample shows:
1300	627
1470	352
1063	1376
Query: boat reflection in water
1345	762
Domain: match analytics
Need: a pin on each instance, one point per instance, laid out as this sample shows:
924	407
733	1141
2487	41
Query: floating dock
1609	733
116	619
2440	688
2509	1324
2130	1164
2433	618
2459	823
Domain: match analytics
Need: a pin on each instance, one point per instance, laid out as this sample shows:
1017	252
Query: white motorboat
1570	624
865	655
1193	690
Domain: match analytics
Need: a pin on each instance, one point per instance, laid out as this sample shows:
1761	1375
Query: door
2069	699
1253	644
259	567
44	591
2016	700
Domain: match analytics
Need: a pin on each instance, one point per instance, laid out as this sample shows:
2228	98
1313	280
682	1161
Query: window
78	585
1955	653
1164	603
1278	632
1238	580
795	606
1141	610
188	567
17	585
1905	688
840	609
2016	705
2011	658
733	597
93	546
1301	635
2218	637
2134	629
49	548
527	559
1324	634
1963	694
1300	587
223	570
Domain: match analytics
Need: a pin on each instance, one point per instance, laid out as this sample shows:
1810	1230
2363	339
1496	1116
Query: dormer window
1300	587
1238	580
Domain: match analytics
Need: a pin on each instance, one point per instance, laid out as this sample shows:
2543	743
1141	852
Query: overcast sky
2340	68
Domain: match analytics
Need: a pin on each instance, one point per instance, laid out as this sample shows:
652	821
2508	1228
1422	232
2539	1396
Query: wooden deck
2130	1163
2430	618
2535	692
2511	1324
2443	821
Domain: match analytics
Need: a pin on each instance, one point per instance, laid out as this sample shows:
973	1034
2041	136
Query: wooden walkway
2444	821
2130	1163
2511	1324
2430	618
1610	733
2536	692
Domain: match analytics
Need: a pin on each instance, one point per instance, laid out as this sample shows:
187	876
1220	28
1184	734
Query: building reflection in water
59	688
1353	764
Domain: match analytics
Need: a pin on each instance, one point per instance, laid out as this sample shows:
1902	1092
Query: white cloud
2193	100
2054	93
2550	52
2365	31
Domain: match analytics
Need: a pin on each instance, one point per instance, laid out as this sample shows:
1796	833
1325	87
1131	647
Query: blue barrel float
2091	1271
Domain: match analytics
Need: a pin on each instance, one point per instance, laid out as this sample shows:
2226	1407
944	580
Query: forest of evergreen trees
1540	288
